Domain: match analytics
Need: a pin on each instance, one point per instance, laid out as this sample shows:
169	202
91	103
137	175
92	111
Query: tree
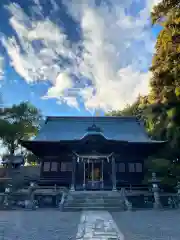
160	109
31	159
165	83
162	9
16	122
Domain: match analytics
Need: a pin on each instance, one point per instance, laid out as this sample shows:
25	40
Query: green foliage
160	110
16	122
160	165
163	9
31	159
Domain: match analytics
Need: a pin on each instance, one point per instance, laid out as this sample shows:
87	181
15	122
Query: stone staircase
91	200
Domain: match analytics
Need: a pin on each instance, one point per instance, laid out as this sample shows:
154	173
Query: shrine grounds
102	225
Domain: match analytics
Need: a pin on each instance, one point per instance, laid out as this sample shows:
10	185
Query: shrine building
92	153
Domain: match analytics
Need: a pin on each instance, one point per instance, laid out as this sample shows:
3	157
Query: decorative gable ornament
94	128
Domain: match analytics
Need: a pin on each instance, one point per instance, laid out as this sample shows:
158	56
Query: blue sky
70	59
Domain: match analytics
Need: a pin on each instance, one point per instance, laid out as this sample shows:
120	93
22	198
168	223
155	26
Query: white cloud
1	67
117	49
111	56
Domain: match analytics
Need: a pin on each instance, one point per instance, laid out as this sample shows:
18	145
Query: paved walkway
149	225
98	225
90	225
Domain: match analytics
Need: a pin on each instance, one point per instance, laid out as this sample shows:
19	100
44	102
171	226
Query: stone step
96	205
77	209
94	201
90	204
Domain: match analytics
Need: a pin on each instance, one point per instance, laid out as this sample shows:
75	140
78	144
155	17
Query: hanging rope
92	156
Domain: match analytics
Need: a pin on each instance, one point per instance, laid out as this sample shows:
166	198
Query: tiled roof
75	128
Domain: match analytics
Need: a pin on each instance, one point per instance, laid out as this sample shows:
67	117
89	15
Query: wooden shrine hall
92	153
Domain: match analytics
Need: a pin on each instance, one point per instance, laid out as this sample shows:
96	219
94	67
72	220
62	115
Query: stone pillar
178	193
114	174
6	201
73	174
155	189
178	189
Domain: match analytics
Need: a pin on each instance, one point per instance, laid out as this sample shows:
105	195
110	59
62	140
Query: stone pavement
89	225
149	224
38	225
98	225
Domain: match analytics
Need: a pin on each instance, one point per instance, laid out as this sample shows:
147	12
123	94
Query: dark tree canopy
16	122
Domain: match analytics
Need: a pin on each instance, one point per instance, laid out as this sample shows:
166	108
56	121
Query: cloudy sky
70	57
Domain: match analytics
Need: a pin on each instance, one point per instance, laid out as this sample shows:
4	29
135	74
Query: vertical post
92	174
73	174
103	173
114	174
155	189
84	180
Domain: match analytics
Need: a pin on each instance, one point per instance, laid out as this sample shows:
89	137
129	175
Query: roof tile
75	128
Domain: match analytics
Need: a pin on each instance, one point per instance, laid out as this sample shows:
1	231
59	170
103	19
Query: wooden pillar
102	173
114	174
92	174
84	175
73	174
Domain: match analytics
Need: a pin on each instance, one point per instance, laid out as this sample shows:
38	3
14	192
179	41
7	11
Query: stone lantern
6	196
30	202
178	189
178	192
155	189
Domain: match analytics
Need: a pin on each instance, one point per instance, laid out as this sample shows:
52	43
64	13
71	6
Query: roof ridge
48	118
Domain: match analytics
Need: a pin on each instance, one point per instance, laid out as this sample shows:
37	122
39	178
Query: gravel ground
55	225
39	225
149	225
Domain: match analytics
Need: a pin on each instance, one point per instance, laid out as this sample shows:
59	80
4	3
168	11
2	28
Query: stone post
6	196
178	192
155	189
114	174
30	202
178	189
73	174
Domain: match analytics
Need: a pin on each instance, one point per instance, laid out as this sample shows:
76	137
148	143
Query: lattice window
132	167
121	167
138	167
54	166
46	167
66	166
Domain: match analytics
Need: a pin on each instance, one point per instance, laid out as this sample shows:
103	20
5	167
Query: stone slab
38	225
149	225
98	225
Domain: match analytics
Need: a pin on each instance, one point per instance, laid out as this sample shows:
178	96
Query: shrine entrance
94	174
97	171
